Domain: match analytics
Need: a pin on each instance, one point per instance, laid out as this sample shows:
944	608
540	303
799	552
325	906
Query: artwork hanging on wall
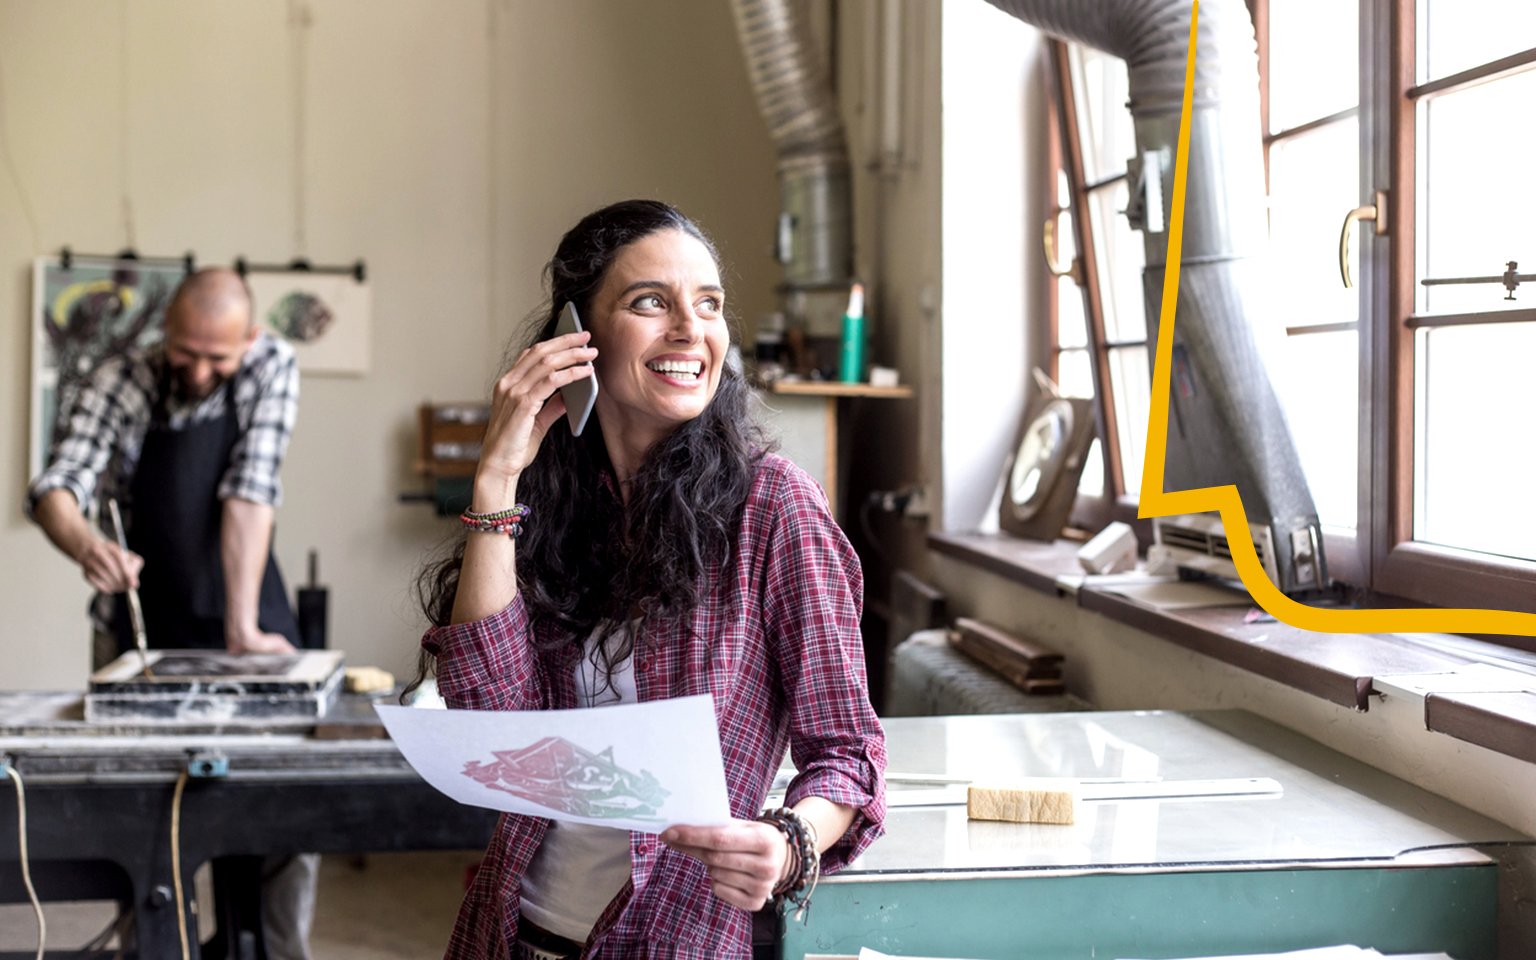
85	311
326	316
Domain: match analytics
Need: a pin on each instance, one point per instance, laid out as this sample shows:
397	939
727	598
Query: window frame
1380	560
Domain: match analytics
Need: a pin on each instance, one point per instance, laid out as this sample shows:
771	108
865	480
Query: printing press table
99	803
1344	854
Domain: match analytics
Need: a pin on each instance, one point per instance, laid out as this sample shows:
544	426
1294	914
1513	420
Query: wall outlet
917	504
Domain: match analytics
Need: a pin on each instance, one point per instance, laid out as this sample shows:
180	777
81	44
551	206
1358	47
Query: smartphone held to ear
580	395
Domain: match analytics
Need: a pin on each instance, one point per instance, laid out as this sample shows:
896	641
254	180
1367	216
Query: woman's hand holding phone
524	405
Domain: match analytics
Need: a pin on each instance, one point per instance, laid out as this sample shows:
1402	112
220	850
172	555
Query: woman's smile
678	371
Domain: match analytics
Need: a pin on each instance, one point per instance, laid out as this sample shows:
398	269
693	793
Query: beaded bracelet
792	861
509	521
800	834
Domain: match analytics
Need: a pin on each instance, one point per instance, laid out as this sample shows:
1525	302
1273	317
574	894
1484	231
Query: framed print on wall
326	316
86	310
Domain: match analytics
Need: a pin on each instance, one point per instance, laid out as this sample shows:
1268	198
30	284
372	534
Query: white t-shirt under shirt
579	869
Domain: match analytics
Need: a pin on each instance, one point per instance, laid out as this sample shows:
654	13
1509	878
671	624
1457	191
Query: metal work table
99	804
1345	854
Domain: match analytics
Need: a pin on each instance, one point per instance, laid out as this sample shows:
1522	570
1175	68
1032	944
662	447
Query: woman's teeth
678	369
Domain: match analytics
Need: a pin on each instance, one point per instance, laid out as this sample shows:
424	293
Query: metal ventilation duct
793	93
1226	424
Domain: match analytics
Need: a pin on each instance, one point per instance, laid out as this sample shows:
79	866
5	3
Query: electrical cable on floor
26	870
181	902
869	534
98	944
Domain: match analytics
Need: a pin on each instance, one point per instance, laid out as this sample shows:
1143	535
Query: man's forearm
64	522
244	540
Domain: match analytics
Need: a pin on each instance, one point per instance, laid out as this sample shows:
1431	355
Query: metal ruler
950	791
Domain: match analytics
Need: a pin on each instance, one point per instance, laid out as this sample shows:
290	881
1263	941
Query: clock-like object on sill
1041	475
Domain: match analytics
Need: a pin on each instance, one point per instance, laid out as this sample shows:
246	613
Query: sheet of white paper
1180	594
640	766
1319	953
1343	952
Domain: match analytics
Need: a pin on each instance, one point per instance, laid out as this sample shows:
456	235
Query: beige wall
448	144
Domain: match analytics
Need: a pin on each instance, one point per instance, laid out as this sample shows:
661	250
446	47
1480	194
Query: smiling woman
663	554
658	323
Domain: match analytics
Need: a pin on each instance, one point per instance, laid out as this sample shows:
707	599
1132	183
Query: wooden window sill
1339	668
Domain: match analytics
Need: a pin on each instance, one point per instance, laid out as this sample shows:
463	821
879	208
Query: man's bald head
212	292
208	327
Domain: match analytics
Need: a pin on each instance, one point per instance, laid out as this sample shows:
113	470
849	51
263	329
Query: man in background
189	436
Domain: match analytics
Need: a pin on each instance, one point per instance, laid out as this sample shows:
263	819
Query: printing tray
210	686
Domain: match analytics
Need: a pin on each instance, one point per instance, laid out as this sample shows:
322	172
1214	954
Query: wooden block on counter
1021	662
1029	801
986	635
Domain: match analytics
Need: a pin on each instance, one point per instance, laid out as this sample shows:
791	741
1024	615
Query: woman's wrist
493	490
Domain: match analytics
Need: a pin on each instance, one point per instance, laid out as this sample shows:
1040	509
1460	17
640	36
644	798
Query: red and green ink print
558	774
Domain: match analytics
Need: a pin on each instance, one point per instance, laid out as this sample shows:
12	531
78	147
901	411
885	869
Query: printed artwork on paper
632	766
83	315
560	775
326	317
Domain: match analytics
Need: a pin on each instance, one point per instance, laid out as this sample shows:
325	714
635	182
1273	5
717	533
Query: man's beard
182	392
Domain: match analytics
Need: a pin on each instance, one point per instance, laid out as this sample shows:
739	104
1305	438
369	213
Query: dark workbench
99	803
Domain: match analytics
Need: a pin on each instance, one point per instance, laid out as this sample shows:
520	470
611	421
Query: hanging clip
1145	209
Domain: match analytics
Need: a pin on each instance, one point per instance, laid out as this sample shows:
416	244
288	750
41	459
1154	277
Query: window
1473	342
1101	321
1309	112
1427	359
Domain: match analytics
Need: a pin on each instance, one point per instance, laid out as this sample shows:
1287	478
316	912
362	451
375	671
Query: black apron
175	523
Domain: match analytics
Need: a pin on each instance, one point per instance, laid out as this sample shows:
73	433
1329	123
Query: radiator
930	678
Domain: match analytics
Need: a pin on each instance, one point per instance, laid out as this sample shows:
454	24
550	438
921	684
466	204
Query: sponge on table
1028	801
368	680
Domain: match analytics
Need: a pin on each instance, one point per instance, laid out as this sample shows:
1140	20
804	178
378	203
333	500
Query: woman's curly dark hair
584	561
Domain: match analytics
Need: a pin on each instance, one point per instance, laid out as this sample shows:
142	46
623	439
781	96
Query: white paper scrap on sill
1073	582
1465	678
641	766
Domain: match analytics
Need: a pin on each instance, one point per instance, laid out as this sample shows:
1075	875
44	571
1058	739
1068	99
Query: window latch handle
1052	224
1372	211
